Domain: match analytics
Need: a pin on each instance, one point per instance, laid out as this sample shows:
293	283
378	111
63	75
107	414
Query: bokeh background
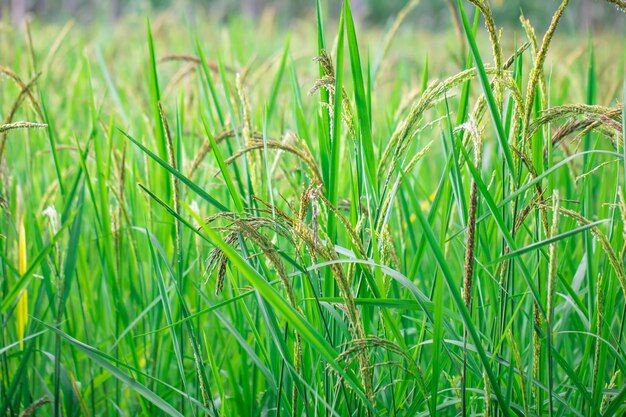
430	14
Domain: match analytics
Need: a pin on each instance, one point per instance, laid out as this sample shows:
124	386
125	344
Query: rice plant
217	221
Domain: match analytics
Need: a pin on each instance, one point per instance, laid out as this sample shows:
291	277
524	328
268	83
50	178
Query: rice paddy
228	218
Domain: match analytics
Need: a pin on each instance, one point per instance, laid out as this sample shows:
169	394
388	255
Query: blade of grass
306	330
458	300
193	186
487	91
362	109
97	357
536	245
220	161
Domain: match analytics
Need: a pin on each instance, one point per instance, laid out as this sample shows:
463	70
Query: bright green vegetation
217	233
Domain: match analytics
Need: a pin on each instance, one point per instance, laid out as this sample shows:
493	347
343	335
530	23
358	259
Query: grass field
193	223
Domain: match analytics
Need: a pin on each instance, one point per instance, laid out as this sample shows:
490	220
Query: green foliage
217	225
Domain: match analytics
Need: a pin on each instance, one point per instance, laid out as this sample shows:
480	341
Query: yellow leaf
22	304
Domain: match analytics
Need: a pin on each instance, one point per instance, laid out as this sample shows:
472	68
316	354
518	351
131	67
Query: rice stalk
400	17
552	277
251	232
552	273
487	406
594	170
56	45
302	152
434	93
8	72
254	160
213	66
518	362
206	148
21	125
181	75
16	105
458	27
607	397
388	253
604	242
172	161
363	345
352	232
388	198
574	110
376	333
470	242
537	326
327	82
537	69
31	410
326	251
600	298
494	37
532	40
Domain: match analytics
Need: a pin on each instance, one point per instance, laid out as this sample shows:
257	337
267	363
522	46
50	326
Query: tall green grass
335	221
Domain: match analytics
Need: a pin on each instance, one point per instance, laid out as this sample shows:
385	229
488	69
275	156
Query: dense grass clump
236	222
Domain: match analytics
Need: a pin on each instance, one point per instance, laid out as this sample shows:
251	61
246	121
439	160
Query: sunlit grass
335	221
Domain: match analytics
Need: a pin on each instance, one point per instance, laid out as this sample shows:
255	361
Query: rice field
234	219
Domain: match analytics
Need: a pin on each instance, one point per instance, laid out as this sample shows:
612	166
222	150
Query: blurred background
430	14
